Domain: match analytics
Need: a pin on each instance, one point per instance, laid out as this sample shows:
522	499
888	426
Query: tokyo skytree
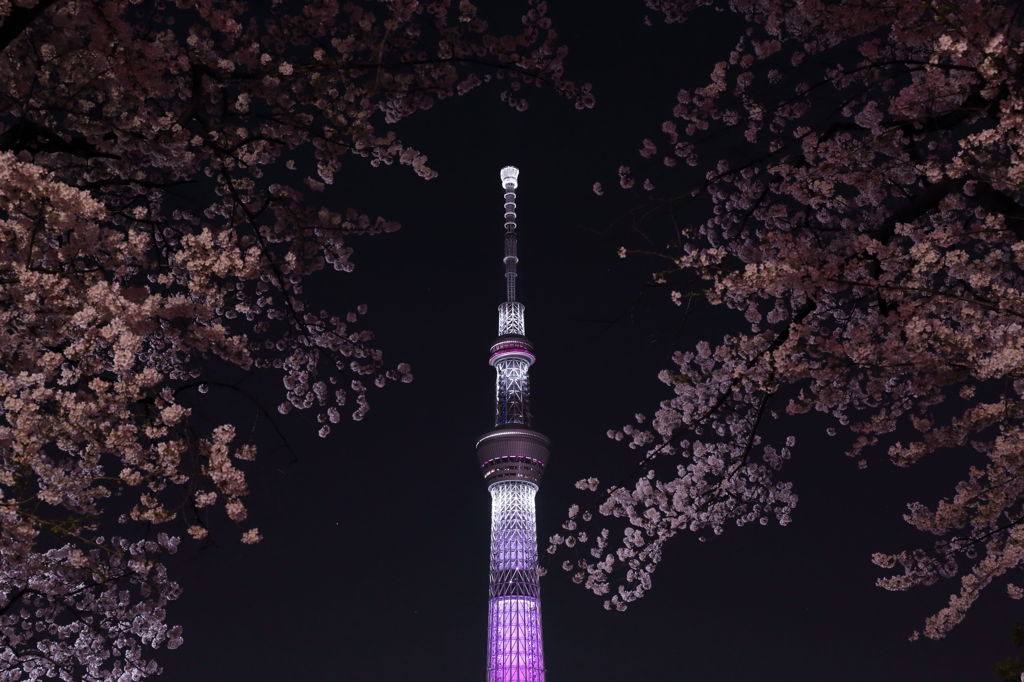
512	457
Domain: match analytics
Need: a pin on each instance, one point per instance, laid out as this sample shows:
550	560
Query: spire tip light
510	175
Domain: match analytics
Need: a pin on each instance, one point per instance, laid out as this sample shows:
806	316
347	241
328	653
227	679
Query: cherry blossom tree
850	184
163	168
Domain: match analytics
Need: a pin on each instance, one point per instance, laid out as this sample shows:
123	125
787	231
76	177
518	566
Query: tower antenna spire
509	182
512	457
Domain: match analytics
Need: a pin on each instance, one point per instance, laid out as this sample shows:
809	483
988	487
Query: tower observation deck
512	457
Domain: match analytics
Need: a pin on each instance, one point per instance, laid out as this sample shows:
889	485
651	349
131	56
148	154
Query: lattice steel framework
514	649
511	318
512	405
513	540
512	457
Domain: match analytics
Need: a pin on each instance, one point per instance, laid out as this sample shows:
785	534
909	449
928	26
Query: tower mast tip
510	175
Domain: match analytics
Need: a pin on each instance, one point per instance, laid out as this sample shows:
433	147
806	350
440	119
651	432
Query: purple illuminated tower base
515	652
512	458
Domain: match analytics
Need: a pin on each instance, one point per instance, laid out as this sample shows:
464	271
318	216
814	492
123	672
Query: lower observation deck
513	453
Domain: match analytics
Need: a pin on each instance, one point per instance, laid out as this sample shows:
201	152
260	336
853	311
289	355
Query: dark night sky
374	564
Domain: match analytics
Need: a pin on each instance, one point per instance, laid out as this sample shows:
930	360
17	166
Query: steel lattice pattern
515	650
515	653
511	318
513	391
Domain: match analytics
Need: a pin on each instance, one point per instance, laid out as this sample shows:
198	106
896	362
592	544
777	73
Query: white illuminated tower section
512	458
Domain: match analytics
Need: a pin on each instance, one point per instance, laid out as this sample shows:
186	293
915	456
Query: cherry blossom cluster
72	613
863	223
167	190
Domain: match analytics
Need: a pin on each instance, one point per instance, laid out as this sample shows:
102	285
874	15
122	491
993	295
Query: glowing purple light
514	640
515	651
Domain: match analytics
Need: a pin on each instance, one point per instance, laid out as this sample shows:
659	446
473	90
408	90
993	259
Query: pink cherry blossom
866	228
160	212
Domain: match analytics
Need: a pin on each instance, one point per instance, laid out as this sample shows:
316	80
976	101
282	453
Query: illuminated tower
512	458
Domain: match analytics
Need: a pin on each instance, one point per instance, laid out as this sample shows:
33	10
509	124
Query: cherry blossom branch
927	292
19	18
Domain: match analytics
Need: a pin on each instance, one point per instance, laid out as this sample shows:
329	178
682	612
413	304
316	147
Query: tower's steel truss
512	457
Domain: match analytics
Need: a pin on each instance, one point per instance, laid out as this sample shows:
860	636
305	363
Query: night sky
374	562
